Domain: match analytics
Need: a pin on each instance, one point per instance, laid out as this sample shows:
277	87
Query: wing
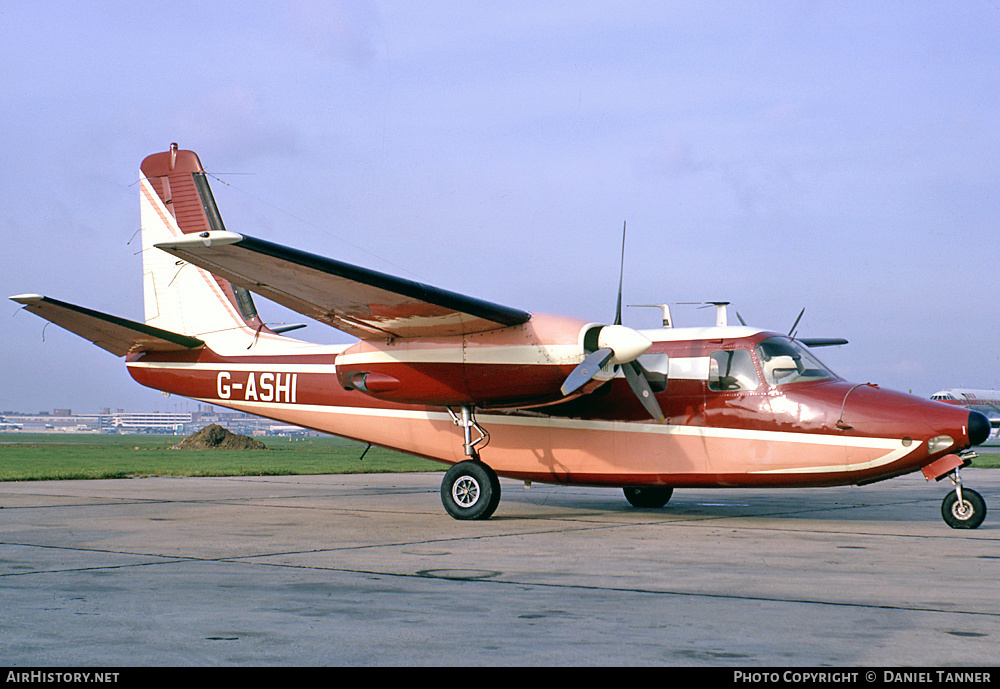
116	335
361	302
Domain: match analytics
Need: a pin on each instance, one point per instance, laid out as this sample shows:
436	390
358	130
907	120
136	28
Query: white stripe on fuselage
681	368
542	354
487	355
275	366
893	447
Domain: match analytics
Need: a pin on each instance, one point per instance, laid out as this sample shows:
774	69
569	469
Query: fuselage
742	406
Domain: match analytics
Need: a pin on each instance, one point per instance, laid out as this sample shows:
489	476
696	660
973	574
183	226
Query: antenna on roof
721	317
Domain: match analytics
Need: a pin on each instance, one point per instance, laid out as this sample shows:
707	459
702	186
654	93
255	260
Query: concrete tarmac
369	570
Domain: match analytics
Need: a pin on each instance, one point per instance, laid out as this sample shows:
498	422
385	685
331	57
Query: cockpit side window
732	369
785	361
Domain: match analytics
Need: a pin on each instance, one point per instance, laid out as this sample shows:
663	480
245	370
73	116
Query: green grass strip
54	456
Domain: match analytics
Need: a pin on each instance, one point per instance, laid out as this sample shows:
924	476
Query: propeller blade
822	341
791	333
621	273
640	386
589	368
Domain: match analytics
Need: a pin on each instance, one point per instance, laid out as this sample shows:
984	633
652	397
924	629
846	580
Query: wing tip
213	237
27	298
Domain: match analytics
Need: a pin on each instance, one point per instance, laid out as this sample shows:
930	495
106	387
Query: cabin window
786	361
732	369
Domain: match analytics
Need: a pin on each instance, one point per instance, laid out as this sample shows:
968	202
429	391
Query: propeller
814	341
619	345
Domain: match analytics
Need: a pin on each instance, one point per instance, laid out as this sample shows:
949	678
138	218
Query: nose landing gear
962	508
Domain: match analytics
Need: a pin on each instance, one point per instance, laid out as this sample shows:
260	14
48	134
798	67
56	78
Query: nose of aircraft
979	427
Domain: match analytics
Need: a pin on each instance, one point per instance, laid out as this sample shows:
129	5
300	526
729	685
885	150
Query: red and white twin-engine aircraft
496	391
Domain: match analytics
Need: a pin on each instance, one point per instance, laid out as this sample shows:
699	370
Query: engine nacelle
523	365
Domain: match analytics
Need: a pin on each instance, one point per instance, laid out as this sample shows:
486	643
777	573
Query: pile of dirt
215	437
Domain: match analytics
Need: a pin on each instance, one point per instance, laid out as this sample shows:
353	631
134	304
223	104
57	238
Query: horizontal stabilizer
116	335
358	301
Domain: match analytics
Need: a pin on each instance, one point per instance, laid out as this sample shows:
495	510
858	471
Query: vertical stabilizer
175	199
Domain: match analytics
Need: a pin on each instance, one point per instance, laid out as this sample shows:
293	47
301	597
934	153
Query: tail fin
175	199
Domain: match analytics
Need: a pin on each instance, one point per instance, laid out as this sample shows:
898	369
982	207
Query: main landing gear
470	489
962	508
648	496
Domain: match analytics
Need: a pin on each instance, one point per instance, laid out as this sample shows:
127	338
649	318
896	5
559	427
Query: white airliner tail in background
985	401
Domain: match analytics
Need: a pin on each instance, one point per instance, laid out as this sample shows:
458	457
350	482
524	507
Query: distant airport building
148	422
121	421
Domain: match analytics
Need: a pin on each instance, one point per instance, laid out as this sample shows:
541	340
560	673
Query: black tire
470	490
648	496
968	514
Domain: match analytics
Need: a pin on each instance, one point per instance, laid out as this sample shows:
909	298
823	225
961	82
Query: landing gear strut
470	489
467	420
962	508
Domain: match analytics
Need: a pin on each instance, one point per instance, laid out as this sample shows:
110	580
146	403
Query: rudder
176	199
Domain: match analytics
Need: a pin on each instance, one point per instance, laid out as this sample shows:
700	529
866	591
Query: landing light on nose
979	428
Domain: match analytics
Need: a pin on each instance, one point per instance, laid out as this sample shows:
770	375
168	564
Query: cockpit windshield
785	361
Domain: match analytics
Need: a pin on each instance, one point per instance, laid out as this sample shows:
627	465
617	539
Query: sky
840	157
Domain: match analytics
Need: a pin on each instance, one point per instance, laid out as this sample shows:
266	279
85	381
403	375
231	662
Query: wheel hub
962	509
465	491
